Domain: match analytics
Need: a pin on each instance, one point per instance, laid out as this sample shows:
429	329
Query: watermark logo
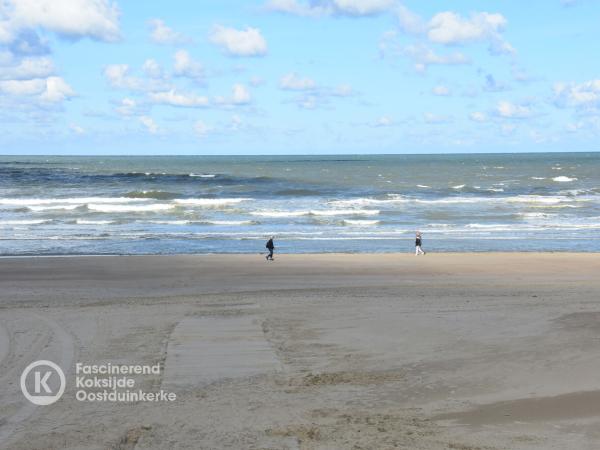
43	382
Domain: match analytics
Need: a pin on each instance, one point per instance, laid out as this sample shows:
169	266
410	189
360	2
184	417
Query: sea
96	205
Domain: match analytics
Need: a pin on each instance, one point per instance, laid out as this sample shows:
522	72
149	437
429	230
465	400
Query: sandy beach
330	351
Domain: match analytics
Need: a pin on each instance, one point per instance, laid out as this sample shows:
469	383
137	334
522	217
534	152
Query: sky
298	77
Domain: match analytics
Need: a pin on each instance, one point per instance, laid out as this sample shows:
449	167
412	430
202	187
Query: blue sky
294	76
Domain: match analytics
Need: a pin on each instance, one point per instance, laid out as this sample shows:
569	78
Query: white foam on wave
458	186
203	175
22	222
210	202
563	179
280	213
229	222
317	212
361	223
110	208
345	212
53	207
424	186
538	178
170	222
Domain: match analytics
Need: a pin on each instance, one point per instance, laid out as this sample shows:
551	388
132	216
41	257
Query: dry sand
449	351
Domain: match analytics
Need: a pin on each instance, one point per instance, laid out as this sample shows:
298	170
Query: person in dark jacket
418	243
270	246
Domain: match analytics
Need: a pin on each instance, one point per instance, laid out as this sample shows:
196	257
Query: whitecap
22	222
210	202
563	179
109	208
361	223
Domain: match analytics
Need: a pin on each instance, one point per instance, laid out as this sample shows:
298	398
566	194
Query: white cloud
248	42
97	19
423	57
48	90
240	95
293	82
160	33
410	22
478	116
299	9
27	68
149	124
127	107
185	66
317	8
174	98
510	110
118	76
56	90
23	87
579	95
152	69
450	28
440	90
362	7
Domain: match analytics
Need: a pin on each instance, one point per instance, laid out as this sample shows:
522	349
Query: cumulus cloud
46	90
160	33
294	82
424	57
174	98
152	69
582	96
362	7
118	76
240	95
450	28
248	42
149	124
96	19
330	7
56	90
26	68
508	110
185	66
127	107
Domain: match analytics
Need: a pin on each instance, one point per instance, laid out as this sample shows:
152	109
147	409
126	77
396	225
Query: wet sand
461	351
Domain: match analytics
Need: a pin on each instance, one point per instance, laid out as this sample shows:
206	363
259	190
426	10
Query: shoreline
374	254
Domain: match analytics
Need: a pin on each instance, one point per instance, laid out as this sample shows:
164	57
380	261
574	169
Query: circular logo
48	382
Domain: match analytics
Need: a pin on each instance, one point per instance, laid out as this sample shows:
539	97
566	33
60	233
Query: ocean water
198	204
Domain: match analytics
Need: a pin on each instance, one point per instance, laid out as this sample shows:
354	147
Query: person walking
270	246
418	243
